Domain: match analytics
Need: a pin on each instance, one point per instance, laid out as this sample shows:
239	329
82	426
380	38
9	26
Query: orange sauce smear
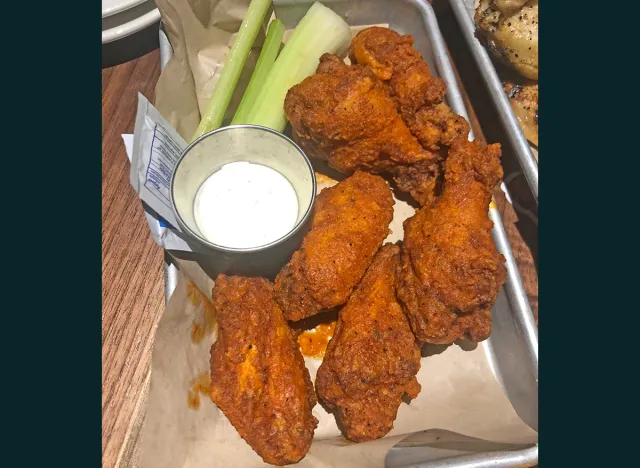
200	385
313	343
198	330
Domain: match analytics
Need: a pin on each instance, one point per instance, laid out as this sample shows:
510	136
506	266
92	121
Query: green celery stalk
233	65
320	31
266	60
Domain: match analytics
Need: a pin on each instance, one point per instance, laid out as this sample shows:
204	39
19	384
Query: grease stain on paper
323	180
200	330
200	385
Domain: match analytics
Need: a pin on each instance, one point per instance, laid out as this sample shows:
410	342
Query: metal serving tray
464	11
512	349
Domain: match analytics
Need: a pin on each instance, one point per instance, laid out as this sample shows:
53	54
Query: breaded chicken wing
350	222
343	114
372	359
258	375
419	96
450	271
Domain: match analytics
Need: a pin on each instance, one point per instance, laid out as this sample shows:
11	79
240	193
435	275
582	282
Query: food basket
512	349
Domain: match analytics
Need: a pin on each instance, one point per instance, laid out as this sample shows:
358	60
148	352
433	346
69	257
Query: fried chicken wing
344	114
450	271
419	96
350	222
258	375
372	359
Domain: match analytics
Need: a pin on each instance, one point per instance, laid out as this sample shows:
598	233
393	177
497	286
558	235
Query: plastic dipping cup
253	144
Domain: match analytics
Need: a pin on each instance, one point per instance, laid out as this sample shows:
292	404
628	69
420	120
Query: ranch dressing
244	205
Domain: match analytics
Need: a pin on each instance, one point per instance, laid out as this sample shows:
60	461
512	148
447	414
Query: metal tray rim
513	284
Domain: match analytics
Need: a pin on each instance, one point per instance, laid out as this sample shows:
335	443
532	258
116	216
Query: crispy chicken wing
350	222
373	358
450	271
344	114
258	375
419	96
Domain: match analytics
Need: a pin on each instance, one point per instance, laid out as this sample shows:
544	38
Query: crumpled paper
201	33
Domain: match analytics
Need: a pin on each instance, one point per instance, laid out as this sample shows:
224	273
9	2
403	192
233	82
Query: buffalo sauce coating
258	377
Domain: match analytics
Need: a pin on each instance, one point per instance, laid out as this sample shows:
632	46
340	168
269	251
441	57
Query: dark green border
51	318
589	158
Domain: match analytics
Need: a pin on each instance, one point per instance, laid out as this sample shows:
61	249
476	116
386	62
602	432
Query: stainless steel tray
464	10
512	349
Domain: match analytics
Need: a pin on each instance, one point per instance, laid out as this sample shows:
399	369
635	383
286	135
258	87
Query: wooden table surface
132	264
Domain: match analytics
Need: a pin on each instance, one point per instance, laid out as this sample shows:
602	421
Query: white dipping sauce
245	205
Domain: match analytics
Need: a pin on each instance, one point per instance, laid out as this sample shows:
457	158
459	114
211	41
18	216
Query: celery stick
233	65
320	31
266	60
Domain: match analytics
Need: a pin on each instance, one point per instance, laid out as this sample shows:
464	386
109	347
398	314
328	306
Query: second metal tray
463	10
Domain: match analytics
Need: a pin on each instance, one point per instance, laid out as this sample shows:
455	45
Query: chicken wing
450	271
372	359
258	375
510	30
419	96
350	222
344	114
524	102
509	6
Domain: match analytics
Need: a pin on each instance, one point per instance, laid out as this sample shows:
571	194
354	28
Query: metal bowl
255	144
